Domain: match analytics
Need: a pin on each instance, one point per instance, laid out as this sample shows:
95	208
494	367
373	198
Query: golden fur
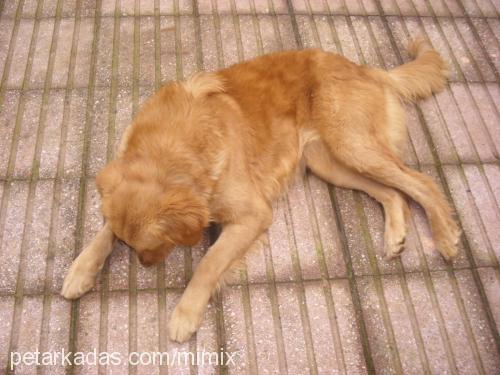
222	147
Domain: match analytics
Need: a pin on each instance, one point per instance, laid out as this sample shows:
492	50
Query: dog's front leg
233	242
82	273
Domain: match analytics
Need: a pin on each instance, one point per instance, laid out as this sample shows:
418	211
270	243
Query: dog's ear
109	177
181	218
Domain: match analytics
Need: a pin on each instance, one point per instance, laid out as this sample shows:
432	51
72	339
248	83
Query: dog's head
149	216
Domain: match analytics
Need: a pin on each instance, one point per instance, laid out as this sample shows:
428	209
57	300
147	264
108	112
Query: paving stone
411	353
348	328
476	313
481	247
485	204
29	331
383	351
279	245
50	152
87	339
488	110
181	365
99	123
429	318
34	257
10	8
306	244
68	8
265	330
8	113
207	341
292	328
331	243
20	53
6	315
74	140
57	336
228	40
105	50
6	29
488	40
13	229
147	52
188	46
118	330
63	53
326	353
478	132
86	37
489	280
64	230
41	54
460	342
27	136
234	327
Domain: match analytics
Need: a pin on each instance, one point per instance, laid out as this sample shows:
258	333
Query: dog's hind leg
372	159
396	210
82	273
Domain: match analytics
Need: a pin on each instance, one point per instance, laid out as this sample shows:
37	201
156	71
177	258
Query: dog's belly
274	172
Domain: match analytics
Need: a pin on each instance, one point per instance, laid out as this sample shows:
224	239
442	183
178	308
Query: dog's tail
419	78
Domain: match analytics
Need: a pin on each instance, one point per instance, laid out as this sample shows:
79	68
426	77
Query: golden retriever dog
221	147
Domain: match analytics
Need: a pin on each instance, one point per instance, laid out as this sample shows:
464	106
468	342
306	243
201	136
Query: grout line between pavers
213	230
111	130
295	26
446	188
300	290
18	296
377	280
356	301
213	234
161	273
246	13
49	258
188	257
261	283
132	258
246	299
54	220
81	214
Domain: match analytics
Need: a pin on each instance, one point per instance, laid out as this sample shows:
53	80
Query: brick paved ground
319	297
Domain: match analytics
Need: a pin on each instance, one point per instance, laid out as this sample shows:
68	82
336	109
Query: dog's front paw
183	323
79	280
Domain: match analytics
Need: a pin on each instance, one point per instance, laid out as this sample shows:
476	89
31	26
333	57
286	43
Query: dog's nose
146	260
